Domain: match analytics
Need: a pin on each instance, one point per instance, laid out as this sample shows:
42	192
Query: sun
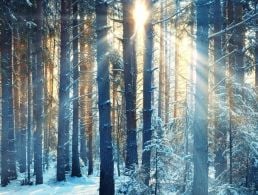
141	15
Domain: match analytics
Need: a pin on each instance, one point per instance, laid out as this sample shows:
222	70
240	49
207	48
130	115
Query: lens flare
141	15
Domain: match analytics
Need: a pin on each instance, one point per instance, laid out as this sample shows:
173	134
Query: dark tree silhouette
105	128
63	118
147	95
75	137
38	93
8	162
130	69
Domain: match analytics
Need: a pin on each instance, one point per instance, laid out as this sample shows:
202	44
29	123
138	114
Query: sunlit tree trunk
23	105
200	147
29	108
86	81
162	64
177	60
167	68
129	57
105	128
16	92
147	95
46	103
19	61
83	82
63	118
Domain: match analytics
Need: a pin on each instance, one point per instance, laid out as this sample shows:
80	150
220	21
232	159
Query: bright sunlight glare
141	15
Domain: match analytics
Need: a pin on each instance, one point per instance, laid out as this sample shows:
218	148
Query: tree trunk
38	86
23	106
75	137
256	58
87	65
63	118
200	147
177	60
162	64
29	96
129	57
16	92
105	128
8	162
147	95
219	69
238	41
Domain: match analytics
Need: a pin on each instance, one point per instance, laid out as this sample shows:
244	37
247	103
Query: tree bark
162	64
75	137
129	57
29	96
105	128
63	118
86	79
147	95
200	147
38	95
8	162
177	61
238	43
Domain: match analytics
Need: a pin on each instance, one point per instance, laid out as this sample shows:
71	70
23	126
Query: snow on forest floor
76	186
85	186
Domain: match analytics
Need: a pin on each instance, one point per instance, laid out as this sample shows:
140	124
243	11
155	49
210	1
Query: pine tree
147	95
87	54
105	128
200	129
63	118
75	137
38	95
129	57
8	162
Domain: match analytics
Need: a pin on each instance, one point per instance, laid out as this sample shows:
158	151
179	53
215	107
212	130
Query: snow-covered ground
73	186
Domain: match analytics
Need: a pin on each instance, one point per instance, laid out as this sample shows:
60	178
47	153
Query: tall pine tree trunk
23	106
177	60
238	41
16	91
105	128
200	147
162	64
86	80
29	108
8	162
63	113
147	95
38	95
129	57
256	56
256	70
75	137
